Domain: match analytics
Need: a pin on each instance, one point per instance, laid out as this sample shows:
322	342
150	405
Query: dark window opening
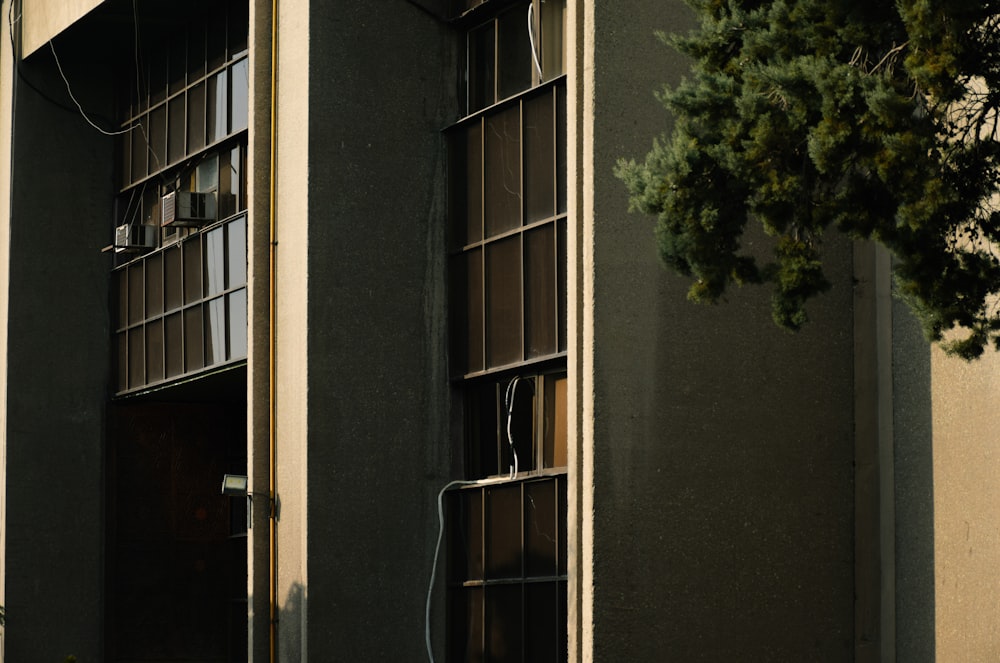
507	572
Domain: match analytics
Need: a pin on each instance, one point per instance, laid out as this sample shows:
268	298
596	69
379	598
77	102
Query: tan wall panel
45	19
966	469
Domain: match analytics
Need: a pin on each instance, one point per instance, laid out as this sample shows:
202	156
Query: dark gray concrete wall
722	447
381	88
58	362
914	478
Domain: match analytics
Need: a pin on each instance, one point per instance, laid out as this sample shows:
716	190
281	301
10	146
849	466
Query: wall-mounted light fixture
234	485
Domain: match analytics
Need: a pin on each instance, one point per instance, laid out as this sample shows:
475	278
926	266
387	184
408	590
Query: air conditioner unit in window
186	208
133	238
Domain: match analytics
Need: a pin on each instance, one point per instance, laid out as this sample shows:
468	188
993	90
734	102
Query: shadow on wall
290	615
914	490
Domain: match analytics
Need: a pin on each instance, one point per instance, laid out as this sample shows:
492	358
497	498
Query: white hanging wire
509	402
75	101
531	38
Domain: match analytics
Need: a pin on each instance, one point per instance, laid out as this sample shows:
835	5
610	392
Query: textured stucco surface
44	20
362	391
966	481
57	364
721	450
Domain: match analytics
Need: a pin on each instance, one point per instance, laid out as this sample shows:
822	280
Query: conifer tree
874	119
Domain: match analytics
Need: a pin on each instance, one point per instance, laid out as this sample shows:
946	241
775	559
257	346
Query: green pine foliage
874	119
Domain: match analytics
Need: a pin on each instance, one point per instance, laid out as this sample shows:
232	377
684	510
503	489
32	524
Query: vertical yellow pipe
272	353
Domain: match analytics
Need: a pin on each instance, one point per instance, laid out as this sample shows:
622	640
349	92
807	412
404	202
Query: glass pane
238	173
230	183
561	149
136	358
238	23
502	176
519	401
196	51
135	293
207	174
175	129
237	324
465	535
563	623
192	270
215	262
561	328
474	304
218	106
158	138
196	118
154	285
514	52
158	76
151	204
540	291
481	64
552	29
178	64
154	351
174	341
465	161
503	624
215	331
474	182
541	622
465	641
539	159
503	531
238	91
561	496
122	277
503	302
555	435
540	529
236	244
194	341
125	150
482	406
173	278
217	39
138	160
122	339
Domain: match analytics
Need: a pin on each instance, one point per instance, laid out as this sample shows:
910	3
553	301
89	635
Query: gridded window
508	205
507	234
515	424
184	308
517	47
507	575
189	93
181	270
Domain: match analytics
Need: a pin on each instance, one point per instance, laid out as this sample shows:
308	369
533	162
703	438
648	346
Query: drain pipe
272	349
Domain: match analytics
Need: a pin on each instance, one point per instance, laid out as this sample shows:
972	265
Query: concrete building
372	256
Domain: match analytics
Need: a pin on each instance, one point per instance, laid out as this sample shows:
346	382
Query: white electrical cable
531	38
73	97
509	402
437	553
